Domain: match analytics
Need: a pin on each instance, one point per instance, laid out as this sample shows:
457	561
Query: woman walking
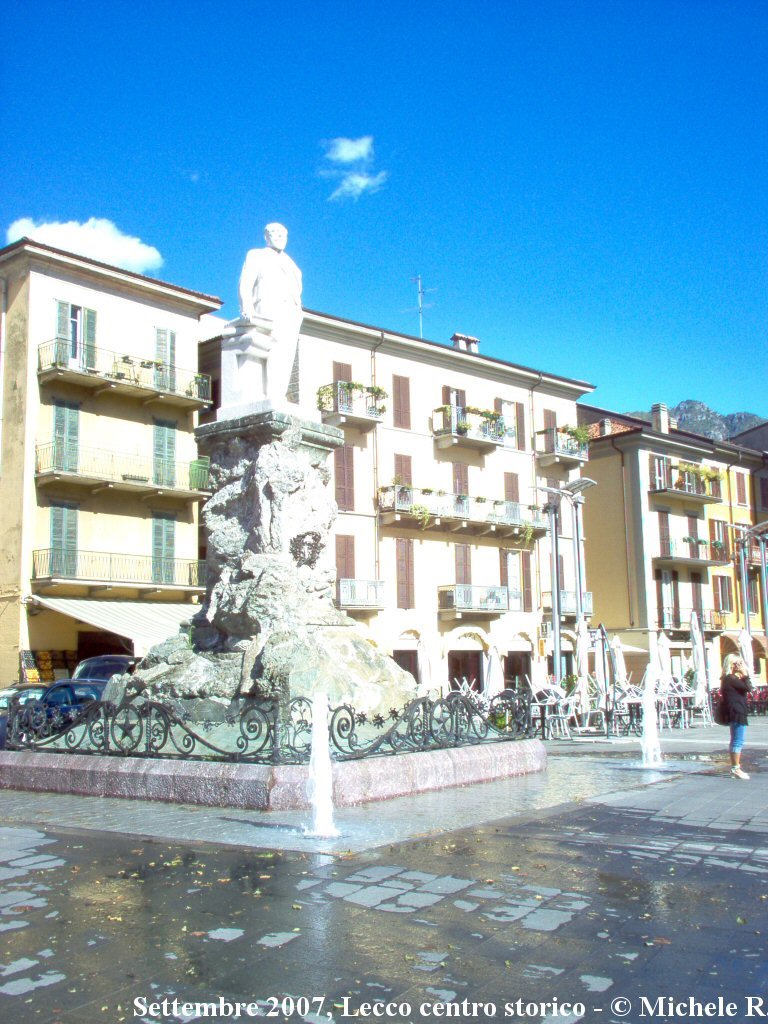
734	687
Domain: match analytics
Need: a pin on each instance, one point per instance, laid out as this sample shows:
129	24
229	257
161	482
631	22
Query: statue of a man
270	290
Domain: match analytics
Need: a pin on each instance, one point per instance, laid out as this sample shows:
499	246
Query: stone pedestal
269	626
245	349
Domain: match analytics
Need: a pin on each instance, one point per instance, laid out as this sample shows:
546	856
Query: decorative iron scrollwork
266	732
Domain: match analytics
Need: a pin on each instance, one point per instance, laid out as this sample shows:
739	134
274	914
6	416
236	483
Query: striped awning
145	623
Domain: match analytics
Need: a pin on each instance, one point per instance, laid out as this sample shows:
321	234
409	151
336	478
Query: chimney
660	418
466	343
605	428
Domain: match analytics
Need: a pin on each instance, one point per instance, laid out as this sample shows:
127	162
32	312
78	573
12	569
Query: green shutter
61	354
163	548
66	436
63	539
89	338
172	360
164	468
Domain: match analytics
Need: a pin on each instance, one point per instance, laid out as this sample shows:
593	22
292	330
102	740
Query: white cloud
350	151
350	163
97	237
354	184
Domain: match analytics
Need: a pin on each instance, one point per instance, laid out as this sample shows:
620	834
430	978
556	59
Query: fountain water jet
320	781
649	741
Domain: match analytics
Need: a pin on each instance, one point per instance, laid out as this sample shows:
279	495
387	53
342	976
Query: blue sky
581	185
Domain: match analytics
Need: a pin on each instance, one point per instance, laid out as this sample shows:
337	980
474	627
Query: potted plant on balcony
579	434
421	514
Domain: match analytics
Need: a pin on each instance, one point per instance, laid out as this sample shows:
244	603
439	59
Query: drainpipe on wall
627	546
377	554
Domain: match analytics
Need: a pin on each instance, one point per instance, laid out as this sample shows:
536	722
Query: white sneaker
737	773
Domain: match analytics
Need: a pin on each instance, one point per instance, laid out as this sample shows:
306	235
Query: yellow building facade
664	536
99	470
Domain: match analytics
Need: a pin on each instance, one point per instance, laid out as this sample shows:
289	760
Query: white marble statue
259	349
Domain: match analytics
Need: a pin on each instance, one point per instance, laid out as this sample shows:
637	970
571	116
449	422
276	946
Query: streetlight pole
553	508
573	492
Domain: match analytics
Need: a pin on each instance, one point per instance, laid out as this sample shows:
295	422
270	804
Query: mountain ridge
698	418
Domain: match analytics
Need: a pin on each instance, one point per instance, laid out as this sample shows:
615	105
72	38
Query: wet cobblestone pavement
511	895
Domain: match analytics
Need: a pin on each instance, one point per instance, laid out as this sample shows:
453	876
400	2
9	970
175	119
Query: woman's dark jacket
733	694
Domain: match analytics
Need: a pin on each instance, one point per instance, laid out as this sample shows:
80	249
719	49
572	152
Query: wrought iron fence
266	732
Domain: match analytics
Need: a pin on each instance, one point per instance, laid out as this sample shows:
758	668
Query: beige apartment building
663	539
441	545
99	472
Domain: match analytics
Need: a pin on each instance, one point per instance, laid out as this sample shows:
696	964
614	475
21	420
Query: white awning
144	622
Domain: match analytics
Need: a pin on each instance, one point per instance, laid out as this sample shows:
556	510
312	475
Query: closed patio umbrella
745	650
699	663
618	657
494	672
582	665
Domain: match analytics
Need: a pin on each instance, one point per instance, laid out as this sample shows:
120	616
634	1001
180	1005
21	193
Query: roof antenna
422	291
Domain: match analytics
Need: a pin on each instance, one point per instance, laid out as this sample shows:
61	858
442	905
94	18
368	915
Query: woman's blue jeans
738	733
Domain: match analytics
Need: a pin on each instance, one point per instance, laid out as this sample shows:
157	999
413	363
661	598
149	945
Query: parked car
43	711
21	694
101	668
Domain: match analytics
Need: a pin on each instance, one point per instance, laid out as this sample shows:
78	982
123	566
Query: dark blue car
51	711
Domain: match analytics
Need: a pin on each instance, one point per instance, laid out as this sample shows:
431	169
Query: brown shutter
764	498
504	567
343	459
404	570
520	425
676	597
403	470
696	595
511	487
716	599
659	598
525	571
693	527
342	371
460	478
463	564
550	419
345	557
447	395
664	544
741	489
401	402
729	592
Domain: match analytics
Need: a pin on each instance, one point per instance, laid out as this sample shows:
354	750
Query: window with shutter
460	478
343	460
741	489
66	436
550	419
342	372
63	523
164	453
665	547
401	402
345	557
527	580
697	594
764	493
403	470
520	426
163	548
512	487
165	355
404	573
463	564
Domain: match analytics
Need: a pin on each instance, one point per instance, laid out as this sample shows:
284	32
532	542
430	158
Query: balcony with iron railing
692	551
361	597
426	509
100	370
466	427
558	445
349	404
674	617
52	567
99	469
458	600
568	602
687	484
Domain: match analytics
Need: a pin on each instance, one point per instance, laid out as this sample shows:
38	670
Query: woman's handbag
719	713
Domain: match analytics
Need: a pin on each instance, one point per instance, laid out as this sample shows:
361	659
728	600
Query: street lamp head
579	485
